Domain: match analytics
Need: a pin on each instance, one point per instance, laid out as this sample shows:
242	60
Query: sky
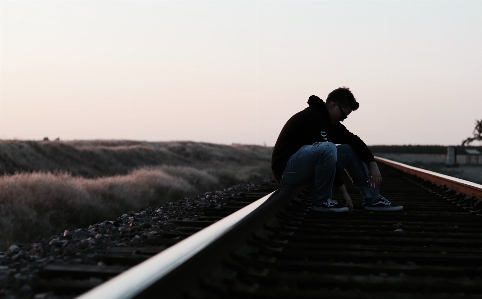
236	71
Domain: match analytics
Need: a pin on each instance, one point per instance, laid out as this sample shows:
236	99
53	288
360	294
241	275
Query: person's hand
346	197
374	175
348	202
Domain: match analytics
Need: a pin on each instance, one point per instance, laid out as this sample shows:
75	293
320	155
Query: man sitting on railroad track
305	152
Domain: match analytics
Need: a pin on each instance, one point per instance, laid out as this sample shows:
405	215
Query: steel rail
135	280
140	278
462	186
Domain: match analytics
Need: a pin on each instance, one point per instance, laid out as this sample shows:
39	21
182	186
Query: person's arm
343	136
346	197
362	150
374	175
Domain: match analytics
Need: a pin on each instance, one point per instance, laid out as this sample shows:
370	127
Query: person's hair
343	97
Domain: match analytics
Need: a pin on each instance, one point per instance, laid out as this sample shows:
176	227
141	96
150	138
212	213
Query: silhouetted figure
477	134
305	152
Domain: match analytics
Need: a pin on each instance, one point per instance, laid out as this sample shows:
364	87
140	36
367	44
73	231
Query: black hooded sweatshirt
309	126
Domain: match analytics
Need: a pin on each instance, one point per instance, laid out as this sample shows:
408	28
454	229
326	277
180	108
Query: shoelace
384	201
331	202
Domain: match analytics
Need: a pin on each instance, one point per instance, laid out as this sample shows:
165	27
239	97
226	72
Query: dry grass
107	158
64	187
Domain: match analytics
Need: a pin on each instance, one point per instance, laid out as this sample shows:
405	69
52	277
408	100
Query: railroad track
276	247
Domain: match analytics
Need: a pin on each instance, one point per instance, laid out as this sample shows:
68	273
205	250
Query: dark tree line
477	134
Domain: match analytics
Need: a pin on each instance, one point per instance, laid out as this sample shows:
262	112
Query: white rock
14	248
54	241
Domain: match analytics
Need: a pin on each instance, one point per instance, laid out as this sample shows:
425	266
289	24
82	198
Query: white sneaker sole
389	209
328	210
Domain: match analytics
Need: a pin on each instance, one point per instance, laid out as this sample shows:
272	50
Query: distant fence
418	149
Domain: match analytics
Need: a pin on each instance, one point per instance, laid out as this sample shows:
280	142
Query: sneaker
381	204
330	205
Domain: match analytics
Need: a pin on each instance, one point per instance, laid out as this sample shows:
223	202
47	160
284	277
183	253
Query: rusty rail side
459	185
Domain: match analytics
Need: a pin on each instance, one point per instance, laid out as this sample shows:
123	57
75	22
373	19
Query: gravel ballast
20	263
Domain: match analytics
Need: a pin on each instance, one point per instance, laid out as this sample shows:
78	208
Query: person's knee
327	150
330	147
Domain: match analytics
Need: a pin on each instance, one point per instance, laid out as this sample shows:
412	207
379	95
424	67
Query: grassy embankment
47	187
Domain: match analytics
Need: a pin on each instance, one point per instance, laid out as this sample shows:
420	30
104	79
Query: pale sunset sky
235	71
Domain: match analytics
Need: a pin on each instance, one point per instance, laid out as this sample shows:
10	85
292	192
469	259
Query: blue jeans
317	163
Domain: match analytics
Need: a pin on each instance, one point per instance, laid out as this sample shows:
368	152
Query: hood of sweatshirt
314	101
